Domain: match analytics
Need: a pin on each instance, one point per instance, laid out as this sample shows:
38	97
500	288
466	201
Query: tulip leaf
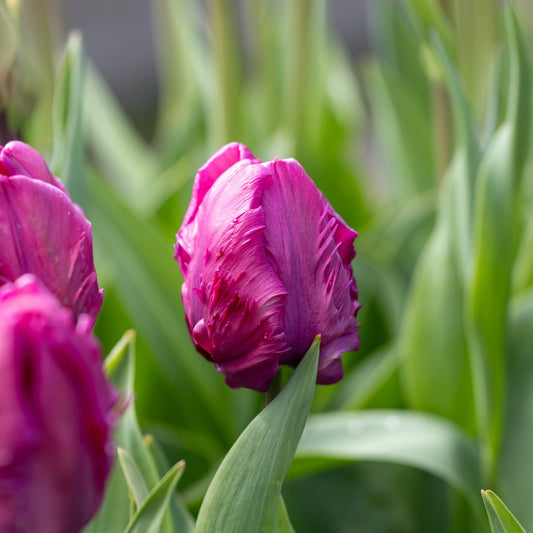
244	494
500	518
515	471
496	228
150	514
182	520
284	523
423	441
114	513
140	465
68	160
134	479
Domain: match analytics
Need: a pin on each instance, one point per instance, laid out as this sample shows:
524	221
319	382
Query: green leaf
114	513
498	200
284	524
182	520
140	469
419	440
244	494
68	160
432	344
150	514
134	479
515	472
500	518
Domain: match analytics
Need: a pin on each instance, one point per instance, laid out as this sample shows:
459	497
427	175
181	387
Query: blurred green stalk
228	71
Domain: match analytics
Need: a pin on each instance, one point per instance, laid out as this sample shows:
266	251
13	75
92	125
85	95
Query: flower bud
266	267
56	414
42	232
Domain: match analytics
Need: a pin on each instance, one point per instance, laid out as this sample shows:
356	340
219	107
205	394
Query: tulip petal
55	414
18	158
222	160
43	232
234	298
310	249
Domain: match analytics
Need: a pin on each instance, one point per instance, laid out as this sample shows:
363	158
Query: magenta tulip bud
266	267
43	233
56	414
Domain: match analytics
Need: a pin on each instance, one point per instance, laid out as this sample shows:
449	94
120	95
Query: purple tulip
42	232
56	414
266	267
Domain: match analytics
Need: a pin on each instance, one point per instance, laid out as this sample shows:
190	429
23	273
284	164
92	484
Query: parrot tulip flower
266	263
43	232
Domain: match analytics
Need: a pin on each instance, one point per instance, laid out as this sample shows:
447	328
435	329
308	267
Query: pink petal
310	248
55	414
233	298
221	161
18	158
44	233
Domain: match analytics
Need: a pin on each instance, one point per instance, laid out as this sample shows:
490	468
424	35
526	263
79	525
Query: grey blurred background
118	39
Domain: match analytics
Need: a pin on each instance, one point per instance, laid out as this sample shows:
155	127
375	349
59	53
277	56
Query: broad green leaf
150	514
419	440
500	518
244	494
496	228
134	479
515	472
68	160
284	524
432	344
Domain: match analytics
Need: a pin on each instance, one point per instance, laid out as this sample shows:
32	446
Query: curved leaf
420	440
500	518
244	494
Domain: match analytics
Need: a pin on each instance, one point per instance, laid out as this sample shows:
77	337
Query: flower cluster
56	406
266	264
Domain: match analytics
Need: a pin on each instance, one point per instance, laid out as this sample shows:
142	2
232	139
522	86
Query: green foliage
246	499
424	147
500	518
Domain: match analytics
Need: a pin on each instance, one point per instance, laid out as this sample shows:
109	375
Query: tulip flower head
266	264
43	232
56	414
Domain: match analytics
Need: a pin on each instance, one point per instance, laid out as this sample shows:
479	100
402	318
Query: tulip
266	264
56	414
43	232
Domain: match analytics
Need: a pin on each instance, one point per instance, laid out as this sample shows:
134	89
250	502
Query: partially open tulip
266	267
56	414
43	232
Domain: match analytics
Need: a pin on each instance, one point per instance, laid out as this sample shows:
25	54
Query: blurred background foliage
422	144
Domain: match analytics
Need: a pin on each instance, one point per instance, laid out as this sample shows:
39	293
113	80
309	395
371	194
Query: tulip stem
274	389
